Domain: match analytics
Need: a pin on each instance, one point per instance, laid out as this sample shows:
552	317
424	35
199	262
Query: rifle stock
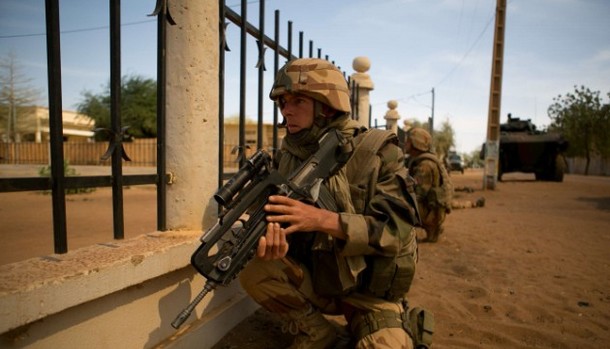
231	243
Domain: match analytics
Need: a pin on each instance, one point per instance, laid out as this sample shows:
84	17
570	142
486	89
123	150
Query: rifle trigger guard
224	263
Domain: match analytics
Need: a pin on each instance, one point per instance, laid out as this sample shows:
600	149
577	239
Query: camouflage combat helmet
420	138
315	78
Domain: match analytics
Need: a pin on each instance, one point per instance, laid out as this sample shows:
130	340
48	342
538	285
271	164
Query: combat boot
312	329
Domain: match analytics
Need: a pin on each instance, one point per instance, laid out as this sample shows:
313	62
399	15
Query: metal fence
117	150
57	182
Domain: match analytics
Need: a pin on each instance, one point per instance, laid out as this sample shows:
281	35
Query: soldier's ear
327	111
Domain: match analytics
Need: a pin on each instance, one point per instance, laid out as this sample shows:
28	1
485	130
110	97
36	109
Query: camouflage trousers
432	224
284	287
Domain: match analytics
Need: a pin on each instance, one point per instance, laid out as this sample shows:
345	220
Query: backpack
385	277
363	169
442	195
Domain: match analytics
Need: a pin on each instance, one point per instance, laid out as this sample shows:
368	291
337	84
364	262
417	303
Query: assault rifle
229	245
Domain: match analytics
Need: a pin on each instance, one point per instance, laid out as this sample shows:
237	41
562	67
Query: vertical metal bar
289	40
161	125
432	115
276	67
261	71
242	84
353	97
56	127
310	48
300	44
221	92
115	117
319	53
357	101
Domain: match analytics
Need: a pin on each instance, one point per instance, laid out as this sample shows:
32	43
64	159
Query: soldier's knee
248	277
389	338
381	329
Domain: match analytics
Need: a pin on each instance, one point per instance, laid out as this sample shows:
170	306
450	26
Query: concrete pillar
391	117
192	114
361	65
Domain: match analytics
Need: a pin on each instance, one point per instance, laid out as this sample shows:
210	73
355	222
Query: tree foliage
584	120
473	159
138	105
444	139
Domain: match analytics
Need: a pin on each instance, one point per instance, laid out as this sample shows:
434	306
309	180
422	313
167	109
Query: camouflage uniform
291	287
427	176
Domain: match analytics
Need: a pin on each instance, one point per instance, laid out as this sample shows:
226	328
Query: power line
413	96
81	30
76	30
467	52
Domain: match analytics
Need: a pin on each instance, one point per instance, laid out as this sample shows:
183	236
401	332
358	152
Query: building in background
32	125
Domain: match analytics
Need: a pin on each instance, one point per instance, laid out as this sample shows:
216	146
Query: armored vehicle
523	148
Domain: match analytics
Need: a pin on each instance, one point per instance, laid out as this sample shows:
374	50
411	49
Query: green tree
444	139
583	120
473	159
138	107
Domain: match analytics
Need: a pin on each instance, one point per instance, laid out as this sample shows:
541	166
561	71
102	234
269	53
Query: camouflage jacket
378	220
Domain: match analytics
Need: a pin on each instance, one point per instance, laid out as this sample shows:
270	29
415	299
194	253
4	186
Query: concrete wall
125	294
597	167
120	295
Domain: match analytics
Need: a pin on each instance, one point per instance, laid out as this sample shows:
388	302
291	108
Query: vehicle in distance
456	163
523	148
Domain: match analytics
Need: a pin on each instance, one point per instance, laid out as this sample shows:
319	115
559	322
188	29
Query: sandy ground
26	218
528	270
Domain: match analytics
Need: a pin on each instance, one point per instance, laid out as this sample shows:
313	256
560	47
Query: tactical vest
363	169
438	196
385	277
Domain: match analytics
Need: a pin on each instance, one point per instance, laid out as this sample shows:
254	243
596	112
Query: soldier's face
298	111
408	146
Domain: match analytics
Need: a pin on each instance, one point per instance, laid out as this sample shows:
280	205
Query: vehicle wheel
559	169
500	172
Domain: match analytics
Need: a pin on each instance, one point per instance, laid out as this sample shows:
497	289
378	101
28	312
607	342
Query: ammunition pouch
421	325
326	269
389	277
325	272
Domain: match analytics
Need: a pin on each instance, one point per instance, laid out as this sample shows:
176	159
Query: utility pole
492	145
431	119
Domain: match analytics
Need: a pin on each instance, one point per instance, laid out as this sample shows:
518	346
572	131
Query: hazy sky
414	46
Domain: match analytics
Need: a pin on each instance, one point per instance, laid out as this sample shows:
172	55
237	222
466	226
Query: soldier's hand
293	214
297	216
273	244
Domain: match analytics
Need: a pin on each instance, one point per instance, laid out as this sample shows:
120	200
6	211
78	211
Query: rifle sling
326	199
